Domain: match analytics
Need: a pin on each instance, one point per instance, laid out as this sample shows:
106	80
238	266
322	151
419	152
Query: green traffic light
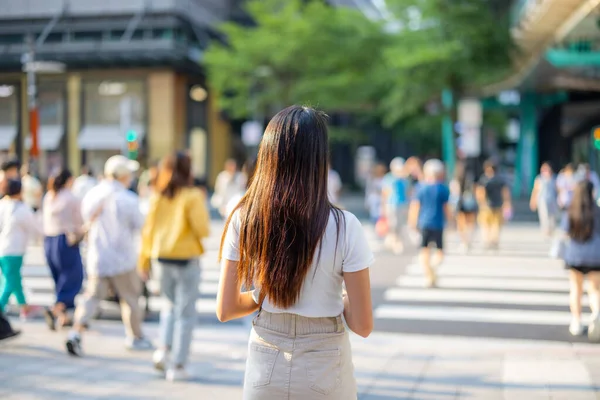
131	136
597	144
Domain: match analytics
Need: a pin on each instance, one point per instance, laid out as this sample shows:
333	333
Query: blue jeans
179	286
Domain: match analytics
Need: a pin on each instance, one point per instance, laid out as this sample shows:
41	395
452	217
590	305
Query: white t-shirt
321	293
18	224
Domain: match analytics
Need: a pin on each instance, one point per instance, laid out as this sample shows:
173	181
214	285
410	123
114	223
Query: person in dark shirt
429	211
493	196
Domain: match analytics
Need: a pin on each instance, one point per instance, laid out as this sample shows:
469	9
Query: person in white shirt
84	183
334	186
228	184
297	250
32	188
114	220
17	225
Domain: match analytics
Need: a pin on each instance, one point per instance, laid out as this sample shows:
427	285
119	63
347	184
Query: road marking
451	269
478	297
469	314
543	285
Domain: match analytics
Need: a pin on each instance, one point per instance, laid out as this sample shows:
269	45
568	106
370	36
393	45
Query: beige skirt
298	358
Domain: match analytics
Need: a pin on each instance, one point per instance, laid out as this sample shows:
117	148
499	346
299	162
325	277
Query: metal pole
32	103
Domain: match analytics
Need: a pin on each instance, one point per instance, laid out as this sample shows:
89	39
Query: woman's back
340	251
61	213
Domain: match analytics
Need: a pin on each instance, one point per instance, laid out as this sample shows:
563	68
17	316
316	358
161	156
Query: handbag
382	227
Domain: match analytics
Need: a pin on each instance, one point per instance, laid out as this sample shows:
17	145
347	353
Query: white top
17	224
334	185
112	249
321	293
82	185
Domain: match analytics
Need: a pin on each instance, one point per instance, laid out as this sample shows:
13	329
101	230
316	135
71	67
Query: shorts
582	269
491	217
429	236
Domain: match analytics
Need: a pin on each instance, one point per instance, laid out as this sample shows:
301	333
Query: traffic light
596	135
132	145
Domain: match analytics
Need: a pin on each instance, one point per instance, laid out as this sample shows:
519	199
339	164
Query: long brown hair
174	172
285	211
582	212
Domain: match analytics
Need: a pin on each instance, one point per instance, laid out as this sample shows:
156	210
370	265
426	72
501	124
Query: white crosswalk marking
485	288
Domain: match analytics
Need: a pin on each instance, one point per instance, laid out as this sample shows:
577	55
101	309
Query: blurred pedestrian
63	229
113	219
395	204
544	199
585	172
84	182
493	197
229	182
248	171
374	190
17	226
462	188
565	184
33	191
414	169
429	212
9	170
581	254
297	250
334	186
177	222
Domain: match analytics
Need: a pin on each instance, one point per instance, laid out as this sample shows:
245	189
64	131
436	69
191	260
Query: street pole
34	122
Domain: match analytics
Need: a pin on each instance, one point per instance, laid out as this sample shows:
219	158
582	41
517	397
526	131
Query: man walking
112	214
493	196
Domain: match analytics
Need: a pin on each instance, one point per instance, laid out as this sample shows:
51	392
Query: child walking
428	212
17	225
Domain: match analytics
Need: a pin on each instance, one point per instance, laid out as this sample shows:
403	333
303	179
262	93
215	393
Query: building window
51	132
111	108
9	118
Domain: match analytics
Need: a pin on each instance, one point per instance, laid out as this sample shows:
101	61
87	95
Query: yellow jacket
175	227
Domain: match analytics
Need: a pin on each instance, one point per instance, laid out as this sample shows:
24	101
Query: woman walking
544	199
462	188
63	230
581	254
297	250
177	222
17	225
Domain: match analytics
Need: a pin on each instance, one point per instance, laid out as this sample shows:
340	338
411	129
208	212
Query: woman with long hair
462	188
63	230
177	222
291	251
581	254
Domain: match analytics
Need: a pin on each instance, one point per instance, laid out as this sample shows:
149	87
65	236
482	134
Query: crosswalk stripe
39	284
470	314
543	285
478	297
451	269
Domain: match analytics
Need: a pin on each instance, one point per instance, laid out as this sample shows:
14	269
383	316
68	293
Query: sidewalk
388	366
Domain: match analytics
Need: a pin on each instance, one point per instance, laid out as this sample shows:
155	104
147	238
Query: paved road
517	292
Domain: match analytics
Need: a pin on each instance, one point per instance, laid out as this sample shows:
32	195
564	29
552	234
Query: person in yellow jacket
177	221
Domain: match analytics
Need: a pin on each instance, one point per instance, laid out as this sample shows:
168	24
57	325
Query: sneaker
9	334
176	374
31	312
74	345
594	331
576	329
50	319
159	358
140	344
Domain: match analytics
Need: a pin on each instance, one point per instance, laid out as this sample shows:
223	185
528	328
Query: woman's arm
231	302
534	195
358	307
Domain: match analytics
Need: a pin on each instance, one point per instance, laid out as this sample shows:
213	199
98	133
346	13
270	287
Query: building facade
130	66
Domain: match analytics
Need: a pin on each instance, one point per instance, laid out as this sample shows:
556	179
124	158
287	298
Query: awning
105	137
49	137
8	133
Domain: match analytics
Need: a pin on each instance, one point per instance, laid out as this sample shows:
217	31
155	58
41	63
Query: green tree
439	44
298	51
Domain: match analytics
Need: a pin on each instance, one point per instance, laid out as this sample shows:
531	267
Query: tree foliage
308	52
